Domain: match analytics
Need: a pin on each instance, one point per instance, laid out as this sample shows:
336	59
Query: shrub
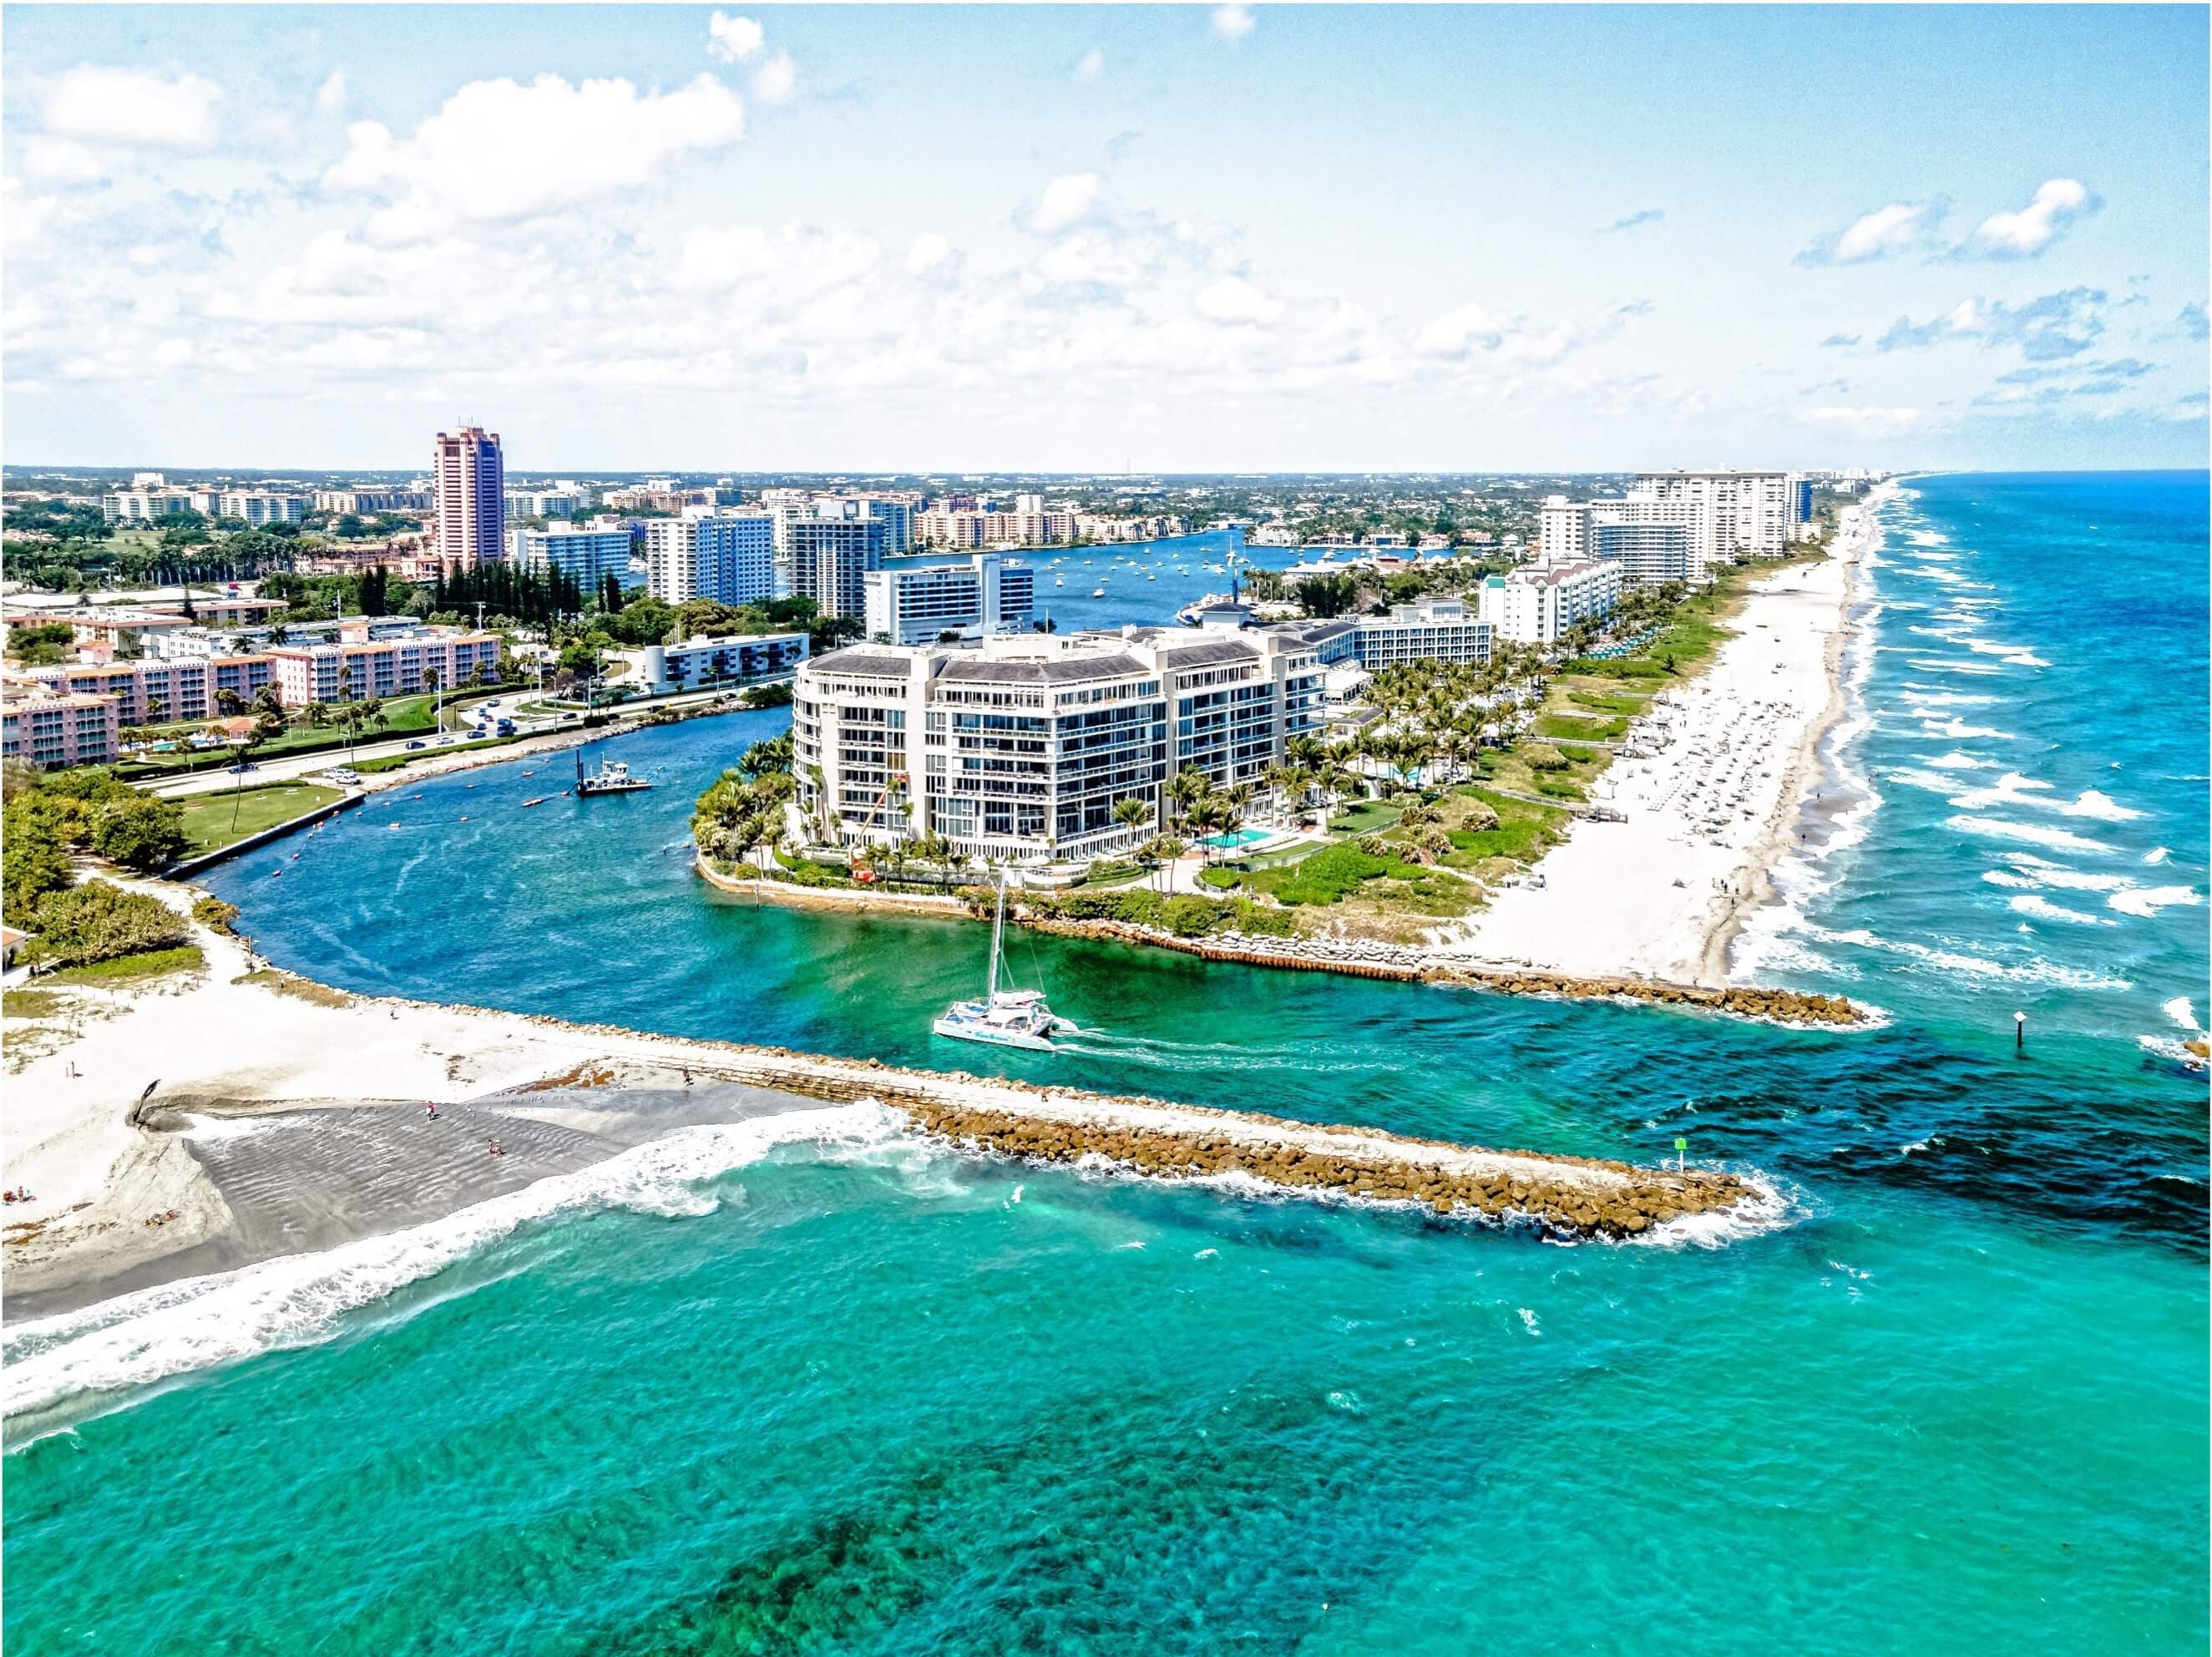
99	922
139	831
1543	757
216	915
1221	879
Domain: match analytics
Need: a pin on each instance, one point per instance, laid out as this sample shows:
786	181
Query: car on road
417	743
241	768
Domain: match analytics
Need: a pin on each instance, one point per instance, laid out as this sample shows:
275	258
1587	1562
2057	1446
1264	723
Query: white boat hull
984	1032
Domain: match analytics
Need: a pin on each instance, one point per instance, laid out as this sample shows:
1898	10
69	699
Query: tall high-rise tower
470	480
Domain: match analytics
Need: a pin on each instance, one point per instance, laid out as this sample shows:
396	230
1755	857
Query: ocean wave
2182	1013
1954	665
2044	910
2156	855
298	1300
1769	1209
1956	761
2038	971
1956	730
2146	901
2102	807
1948	699
2043	872
2006	877
2034	834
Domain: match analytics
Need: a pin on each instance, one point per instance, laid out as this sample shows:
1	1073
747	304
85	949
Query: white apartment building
1020	748
1430	630
360	501
358	666
260	506
734	659
1730	515
1030	524
1648	554
470	478
898	513
587	555
1537	604
543	503
827	552
151	505
711	553
918	604
1105	526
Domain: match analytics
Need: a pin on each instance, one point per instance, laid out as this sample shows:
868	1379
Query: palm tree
1186	787
1133	811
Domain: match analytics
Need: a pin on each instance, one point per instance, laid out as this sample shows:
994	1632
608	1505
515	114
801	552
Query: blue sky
1073	238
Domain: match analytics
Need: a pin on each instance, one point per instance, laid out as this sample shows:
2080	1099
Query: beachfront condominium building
1020	748
1539	604
469	476
828	550
711	553
918	604
1647	554
1430	630
1723	516
587	555
54	729
953	523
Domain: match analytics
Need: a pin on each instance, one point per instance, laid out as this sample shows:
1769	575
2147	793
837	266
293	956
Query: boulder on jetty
1569	1196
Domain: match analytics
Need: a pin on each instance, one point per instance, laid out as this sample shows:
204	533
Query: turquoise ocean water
793	1386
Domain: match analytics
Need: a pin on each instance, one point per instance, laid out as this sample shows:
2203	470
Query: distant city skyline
1181	241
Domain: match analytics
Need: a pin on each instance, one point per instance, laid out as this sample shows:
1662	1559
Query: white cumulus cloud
1234	22
1234	300
331	96
1066	201
733	40
1896	228
131	107
496	150
774	81
2058	203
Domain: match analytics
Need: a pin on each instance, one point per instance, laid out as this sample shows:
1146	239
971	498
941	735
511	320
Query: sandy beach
1710	781
118	1133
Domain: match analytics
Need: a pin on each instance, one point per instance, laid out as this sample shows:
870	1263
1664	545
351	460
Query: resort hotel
1020	748
920	603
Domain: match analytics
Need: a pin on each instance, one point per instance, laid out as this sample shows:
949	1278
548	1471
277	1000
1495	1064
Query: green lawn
133	969
217	819
1364	817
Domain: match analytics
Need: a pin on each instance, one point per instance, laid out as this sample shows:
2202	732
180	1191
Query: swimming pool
1238	837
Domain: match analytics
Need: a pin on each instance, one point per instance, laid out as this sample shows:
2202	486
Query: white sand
1733	759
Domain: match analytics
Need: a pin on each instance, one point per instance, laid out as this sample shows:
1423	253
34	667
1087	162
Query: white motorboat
1004	1018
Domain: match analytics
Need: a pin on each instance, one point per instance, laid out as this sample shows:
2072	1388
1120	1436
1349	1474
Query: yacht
1097	591
1004	1018
612	777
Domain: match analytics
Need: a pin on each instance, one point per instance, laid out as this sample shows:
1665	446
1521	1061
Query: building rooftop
1040	670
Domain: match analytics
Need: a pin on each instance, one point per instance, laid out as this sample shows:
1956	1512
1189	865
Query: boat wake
59	1369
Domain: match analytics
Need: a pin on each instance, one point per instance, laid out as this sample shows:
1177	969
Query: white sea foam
2181	1013
2156	855
1948	699
2026	658
299	1300
2148	900
1768	1208
1954	730
2033	834
2038	971
1954	665
1956	761
2006	877
2044	910
2101	807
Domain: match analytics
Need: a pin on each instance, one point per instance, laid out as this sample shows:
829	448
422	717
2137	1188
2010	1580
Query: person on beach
495	1150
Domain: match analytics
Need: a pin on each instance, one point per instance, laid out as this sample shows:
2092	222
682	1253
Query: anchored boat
1004	1018
612	777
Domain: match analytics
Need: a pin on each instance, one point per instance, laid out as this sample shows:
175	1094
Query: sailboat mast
998	929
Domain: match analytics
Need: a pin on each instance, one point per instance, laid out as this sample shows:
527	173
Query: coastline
1662	895
100	1131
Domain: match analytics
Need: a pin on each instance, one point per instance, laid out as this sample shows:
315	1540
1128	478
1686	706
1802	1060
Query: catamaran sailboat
1004	1018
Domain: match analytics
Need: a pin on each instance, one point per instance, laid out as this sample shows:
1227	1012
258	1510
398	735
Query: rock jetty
1568	1196
1370	958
